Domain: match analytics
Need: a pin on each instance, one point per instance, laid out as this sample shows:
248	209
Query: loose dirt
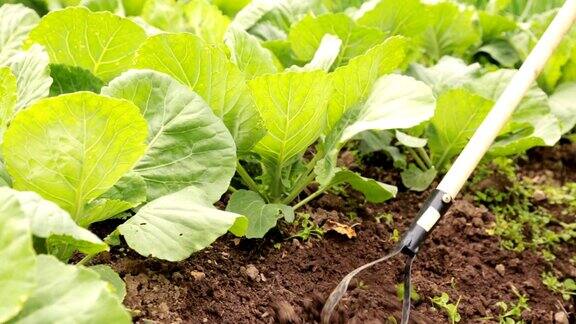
286	280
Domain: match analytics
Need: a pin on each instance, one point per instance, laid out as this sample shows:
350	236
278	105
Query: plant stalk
425	157
310	198
300	186
86	259
417	159
247	178
304	179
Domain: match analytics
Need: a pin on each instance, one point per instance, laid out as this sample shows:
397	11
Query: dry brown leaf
339	228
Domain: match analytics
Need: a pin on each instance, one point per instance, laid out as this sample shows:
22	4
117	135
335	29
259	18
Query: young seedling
566	288
414	296
309	228
388	218
443	302
395	235
512	313
520	221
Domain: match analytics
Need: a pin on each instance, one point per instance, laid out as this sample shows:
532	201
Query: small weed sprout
388	218
309	228
414	296
443	302
512	313
520	222
362	285
395	235
352	216
566	288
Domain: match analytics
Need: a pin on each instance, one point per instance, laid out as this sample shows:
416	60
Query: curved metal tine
407	289
342	287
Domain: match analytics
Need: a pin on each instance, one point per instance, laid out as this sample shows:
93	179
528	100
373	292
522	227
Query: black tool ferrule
435	206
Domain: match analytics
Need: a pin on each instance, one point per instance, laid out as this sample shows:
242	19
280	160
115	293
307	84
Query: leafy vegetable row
149	111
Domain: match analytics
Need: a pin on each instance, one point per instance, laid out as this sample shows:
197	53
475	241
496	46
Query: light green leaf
248	54
408	17
16	21
373	190
279	16
252	13
102	209
8	97
306	35
526	8
147	27
502	52
209	73
448	73
324	57
128	192
32	73
353	82
261	216
113	6
187	144
72	148
342	5
199	17
532	123
451	31
49	221
68	79
130	188
410	141
396	101
458	114
18	266
552	72
495	26
133	7
100	42
231	7
283	53
108	274
175	226
293	106
416	179
563	106
166	15
70	294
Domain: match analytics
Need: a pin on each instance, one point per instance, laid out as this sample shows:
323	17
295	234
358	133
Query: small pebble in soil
539	195
477	221
177	276
561	318
198	275
251	272
297	244
501	269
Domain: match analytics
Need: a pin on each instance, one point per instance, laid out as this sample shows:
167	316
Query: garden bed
287	280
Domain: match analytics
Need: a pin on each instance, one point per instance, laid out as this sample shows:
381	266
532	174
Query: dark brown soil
240	281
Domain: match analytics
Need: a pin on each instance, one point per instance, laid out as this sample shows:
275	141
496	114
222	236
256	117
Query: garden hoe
442	197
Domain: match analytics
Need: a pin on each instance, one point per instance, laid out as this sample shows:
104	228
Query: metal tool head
342	287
